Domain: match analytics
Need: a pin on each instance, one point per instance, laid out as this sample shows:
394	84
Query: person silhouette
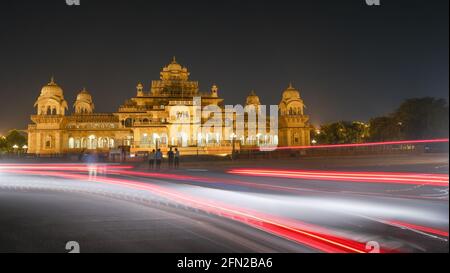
177	158
151	159
158	157
170	156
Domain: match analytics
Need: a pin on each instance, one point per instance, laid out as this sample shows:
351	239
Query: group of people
155	159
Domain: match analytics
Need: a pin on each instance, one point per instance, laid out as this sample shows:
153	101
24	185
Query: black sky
350	61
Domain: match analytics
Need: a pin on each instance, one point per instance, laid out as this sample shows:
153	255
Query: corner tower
51	100
45	136
294	128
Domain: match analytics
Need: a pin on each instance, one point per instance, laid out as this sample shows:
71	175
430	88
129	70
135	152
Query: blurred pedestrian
151	159
158	157
170	156
177	158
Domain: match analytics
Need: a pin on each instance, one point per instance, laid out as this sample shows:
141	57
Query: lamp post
233	143
16	149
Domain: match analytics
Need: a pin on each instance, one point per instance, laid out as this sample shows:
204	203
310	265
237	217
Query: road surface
240	208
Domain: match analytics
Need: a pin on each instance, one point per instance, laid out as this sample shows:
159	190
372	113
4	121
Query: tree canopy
14	137
416	118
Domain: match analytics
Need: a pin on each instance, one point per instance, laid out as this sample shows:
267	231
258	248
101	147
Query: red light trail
369	177
419	228
64	167
367	144
304	234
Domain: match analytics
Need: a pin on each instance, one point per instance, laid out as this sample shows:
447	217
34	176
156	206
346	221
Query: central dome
174	66
174	71
51	89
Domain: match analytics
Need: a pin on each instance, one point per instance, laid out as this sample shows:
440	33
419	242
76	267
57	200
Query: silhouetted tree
384	129
3	144
421	118
14	137
341	133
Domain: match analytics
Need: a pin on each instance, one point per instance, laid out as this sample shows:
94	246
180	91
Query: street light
313	141
233	139
16	147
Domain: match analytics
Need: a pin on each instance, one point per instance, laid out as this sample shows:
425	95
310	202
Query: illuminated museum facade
165	116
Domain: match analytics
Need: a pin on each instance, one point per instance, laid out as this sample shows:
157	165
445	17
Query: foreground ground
335	204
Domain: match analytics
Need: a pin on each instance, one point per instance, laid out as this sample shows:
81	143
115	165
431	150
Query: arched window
128	122
103	142
77	143
111	143
49	110
83	143
92	142
54	111
156	140
164	138
275	140
71	143
48	142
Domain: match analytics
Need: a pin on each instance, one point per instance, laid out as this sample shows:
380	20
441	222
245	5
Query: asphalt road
222	209
42	219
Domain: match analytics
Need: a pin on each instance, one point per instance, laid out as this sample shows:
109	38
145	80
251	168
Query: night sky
350	61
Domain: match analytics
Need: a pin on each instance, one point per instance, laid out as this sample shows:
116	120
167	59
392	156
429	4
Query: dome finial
290	85
174	60
52	80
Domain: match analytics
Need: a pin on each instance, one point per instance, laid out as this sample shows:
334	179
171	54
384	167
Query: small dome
84	95
51	89
83	104
291	93
253	99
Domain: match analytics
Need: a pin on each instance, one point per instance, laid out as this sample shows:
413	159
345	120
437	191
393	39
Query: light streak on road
367	144
268	211
369	177
64	167
295	231
419	228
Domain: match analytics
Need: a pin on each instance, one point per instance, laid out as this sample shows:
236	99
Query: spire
290	86
140	89
174	60
252	93
52	80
